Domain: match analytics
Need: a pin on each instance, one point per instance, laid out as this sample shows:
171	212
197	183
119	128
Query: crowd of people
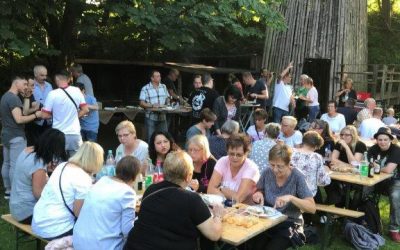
49	172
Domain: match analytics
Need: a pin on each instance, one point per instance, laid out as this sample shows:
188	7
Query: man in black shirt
255	90
389	160
203	97
169	81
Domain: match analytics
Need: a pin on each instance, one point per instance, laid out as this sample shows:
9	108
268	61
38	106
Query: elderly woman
346	92
310	163
130	144
30	174
235	176
203	162
388	156
227	107
62	198
285	188
108	212
218	142
171	217
288	134
260	150
322	128
335	120
347	149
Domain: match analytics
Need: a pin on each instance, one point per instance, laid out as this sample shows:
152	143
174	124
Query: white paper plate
210	199
262	211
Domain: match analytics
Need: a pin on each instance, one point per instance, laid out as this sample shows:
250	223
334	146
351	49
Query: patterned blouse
260	151
312	165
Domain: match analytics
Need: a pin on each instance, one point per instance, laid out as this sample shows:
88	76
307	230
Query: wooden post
390	86
383	82
374	80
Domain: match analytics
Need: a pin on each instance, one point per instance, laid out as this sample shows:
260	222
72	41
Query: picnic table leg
347	202
38	244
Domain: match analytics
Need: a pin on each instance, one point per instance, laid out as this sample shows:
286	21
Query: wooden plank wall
322	29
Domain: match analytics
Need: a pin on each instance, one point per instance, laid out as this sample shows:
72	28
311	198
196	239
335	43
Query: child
256	131
389	119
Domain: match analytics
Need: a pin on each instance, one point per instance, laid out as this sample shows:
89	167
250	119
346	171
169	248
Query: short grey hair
77	68
230	127
37	69
272	130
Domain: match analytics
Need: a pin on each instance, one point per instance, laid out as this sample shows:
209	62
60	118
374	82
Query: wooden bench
23	232
330	211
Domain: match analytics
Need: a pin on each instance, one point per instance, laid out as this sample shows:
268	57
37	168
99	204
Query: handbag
62	195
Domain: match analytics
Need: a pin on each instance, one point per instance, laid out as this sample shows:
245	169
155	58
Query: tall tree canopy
59	30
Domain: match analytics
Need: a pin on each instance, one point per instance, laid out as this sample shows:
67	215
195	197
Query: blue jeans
278	113
394	199
313	111
11	152
72	144
152	126
89	135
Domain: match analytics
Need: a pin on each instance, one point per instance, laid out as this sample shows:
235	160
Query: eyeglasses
124	135
345	134
235	155
278	167
195	150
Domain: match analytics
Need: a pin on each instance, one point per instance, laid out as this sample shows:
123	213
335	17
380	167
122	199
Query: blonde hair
354	136
178	166
126	124
292	120
390	111
201	142
89	157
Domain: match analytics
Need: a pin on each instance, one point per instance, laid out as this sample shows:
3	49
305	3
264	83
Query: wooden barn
321	36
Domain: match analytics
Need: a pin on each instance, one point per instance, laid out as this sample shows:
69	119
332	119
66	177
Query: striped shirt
152	95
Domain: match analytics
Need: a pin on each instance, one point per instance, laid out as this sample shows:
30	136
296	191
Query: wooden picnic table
236	235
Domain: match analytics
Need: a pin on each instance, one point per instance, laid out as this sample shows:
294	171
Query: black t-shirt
328	144
168	219
342	100
202	98
392	155
169	84
257	88
360	148
350	114
205	176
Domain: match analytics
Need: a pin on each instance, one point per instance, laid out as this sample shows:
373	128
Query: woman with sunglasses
235	176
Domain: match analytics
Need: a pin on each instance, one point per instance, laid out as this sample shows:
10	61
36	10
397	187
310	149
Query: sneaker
395	236
7	195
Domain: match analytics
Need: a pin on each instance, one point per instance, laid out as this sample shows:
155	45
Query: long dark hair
50	146
152	148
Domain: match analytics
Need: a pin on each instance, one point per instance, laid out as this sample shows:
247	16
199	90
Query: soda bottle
158	174
364	166
110	158
328	153
149	175
371	168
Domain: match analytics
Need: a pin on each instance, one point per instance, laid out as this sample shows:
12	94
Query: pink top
249	170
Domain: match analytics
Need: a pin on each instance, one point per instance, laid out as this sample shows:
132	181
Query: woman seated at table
260	149
347	149
130	144
285	188
62	198
30	174
323	129
203	162
227	107
108	213
207	119
235	176
171	217
310	163
161	143
218	142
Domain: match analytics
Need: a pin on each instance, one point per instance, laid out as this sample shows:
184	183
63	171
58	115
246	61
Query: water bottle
328	153
118	157
110	158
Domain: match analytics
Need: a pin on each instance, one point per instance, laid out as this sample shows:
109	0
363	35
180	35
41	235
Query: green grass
7	233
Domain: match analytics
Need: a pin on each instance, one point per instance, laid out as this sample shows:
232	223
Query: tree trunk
386	13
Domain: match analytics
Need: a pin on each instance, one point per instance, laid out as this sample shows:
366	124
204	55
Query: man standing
77	73
40	91
66	104
89	123
154	95
12	132
203	97
169	82
256	90
283	95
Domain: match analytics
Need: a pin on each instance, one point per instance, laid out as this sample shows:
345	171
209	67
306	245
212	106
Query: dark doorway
319	70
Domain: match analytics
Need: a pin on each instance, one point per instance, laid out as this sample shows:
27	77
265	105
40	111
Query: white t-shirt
282	94
293	140
106	217
254	134
50	216
369	127
64	112
336	123
141	152
313	95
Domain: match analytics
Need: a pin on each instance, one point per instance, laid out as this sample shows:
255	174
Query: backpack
372	218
